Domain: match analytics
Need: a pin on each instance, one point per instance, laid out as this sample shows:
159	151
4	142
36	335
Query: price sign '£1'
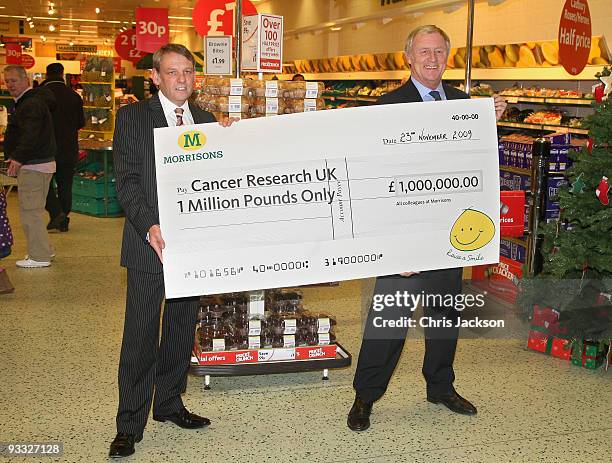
217	17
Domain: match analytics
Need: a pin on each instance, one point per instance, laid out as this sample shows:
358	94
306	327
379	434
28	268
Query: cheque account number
251	181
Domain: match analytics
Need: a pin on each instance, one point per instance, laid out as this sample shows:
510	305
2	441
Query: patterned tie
435	95
179	116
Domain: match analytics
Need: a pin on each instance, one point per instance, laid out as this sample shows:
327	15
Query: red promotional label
152	29
512	213
218	17
27	61
117	64
125	45
575	36
13	53
317	352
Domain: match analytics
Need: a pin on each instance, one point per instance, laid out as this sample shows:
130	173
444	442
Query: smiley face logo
472	230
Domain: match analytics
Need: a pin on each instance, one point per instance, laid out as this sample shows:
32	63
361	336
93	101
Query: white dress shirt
169	108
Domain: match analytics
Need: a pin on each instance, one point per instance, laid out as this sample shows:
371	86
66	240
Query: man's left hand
500	106
228	121
13	168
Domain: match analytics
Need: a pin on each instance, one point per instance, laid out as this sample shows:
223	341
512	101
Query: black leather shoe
57	222
453	402
123	445
184	419
359	416
63	225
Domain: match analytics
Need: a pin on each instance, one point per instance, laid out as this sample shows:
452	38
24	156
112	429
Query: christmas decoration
602	191
581	236
590	145
578	185
602	91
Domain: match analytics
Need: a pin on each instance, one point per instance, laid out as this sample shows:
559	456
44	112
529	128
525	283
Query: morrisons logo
192	140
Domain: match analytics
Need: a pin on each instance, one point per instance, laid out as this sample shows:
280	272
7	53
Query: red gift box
544	316
539	341
561	348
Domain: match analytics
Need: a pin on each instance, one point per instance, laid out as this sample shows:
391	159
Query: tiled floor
61	332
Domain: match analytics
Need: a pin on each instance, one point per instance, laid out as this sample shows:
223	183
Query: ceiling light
43	38
97	10
336	28
386	21
51	11
28	19
51	27
71	43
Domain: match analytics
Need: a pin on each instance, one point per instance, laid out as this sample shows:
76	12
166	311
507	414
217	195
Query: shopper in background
427	49
29	146
68	118
298	78
152	371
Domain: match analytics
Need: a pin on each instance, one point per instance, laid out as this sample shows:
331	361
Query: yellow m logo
192	140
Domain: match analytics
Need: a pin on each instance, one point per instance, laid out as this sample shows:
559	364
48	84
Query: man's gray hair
171	48
427	29
16	68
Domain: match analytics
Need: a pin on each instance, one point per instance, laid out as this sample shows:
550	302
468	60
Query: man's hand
156	241
228	121
409	274
13	168
500	106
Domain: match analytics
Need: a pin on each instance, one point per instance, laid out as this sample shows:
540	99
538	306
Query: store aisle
61	332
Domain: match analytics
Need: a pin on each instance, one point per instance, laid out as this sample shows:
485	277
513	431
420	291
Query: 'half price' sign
218	55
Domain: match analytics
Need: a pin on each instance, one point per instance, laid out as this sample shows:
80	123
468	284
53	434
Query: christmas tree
576	278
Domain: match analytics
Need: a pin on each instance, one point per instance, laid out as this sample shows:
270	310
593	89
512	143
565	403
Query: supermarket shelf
343	359
515	170
549	100
552	128
550	73
369	99
97	107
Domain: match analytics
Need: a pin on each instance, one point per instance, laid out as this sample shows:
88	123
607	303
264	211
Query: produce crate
83	186
95	206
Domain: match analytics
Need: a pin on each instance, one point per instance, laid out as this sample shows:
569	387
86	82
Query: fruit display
543	92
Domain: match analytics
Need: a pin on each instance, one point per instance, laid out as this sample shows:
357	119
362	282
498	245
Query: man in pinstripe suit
152	371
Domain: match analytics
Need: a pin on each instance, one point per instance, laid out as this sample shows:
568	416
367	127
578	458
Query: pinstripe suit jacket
134	159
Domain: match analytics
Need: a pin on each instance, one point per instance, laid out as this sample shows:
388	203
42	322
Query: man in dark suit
68	118
427	49
152	371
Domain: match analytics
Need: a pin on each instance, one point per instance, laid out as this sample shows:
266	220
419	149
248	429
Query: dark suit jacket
408	93
68	118
134	159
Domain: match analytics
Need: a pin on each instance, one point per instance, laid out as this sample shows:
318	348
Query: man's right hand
156	241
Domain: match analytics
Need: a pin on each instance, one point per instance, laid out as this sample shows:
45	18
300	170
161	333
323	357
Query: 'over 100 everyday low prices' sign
262	43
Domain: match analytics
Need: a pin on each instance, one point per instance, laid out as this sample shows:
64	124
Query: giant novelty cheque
325	196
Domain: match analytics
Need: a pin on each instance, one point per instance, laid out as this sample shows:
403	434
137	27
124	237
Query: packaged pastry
229	104
225	86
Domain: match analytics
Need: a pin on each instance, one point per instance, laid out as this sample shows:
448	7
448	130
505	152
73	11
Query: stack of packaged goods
226	324
243	98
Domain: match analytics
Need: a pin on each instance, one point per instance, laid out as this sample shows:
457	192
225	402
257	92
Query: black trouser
151	370
61	201
381	347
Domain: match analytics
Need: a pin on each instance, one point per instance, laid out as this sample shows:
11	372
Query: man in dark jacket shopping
29	146
68	118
